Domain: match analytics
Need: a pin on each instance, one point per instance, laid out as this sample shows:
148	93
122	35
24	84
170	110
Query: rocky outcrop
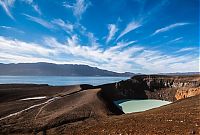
162	87
187	92
155	82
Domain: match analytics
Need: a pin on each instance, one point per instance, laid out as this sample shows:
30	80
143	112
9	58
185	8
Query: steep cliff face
169	88
187	92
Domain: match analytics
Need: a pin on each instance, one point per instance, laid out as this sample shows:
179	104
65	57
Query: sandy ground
84	110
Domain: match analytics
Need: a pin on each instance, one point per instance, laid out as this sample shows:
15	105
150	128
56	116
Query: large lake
59	80
130	106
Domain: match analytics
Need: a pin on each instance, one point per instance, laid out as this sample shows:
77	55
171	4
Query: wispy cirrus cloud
130	27
175	40
112	30
143	17
34	5
39	21
79	7
53	24
59	24
186	49
12	29
82	31
37	9
170	27
121	45
6	5
66	26
28	1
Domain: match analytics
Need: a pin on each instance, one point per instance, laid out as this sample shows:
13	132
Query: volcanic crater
87	109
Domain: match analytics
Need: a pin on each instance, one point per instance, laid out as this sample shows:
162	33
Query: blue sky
141	36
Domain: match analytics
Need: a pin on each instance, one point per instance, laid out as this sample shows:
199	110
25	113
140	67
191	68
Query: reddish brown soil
181	118
89	110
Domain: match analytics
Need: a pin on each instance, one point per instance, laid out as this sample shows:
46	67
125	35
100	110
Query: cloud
120	45
157	62
71	50
186	49
14	46
68	27
28	1
148	15
39	21
143	16
54	24
12	29
170	27
13	58
72	47
124	56
34	5
82	31
92	39
6	4
175	40
112	30
36	8
57	24
108	58
79	7
130	27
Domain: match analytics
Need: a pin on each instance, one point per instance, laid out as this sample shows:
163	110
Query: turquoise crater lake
130	106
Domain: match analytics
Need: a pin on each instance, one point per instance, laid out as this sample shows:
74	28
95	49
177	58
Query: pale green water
130	106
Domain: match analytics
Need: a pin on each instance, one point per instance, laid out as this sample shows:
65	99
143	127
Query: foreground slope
61	106
180	117
85	109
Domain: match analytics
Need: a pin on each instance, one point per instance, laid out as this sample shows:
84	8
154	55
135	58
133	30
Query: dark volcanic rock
151	86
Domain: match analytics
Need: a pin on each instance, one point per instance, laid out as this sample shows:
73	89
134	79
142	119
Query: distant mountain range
49	69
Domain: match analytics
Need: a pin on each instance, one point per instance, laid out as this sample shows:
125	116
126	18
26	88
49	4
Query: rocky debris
87	109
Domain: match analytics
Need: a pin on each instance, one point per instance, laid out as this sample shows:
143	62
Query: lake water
130	106
59	80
